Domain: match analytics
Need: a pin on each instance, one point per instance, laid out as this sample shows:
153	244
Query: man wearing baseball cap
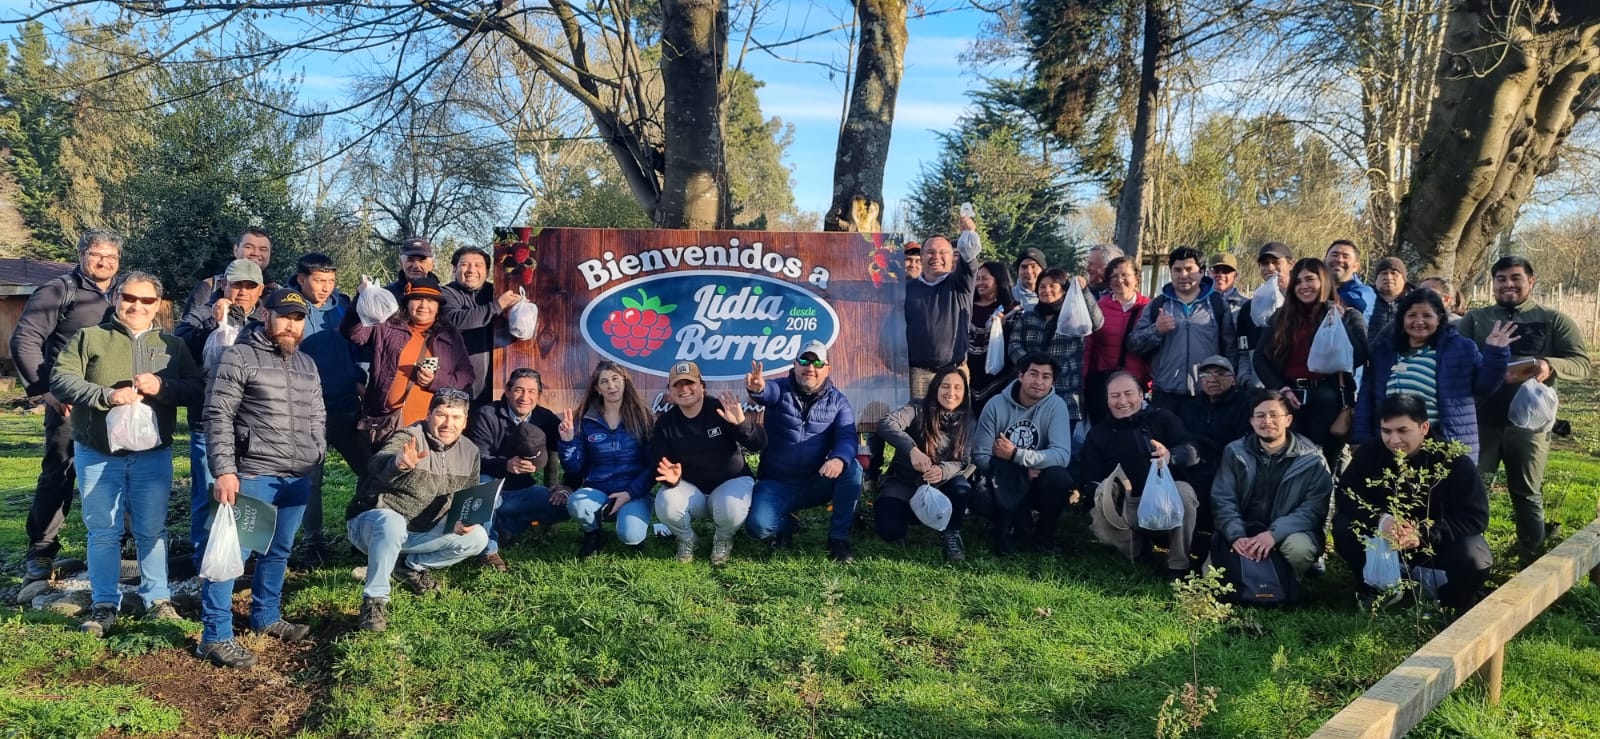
1224	279
1275	259
1214	418
699	445
811	452
913	257
267	393
416	261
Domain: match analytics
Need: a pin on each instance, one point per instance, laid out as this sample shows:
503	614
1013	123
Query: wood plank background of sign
863	287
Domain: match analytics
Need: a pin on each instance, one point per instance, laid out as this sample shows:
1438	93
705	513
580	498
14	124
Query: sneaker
416	581
494	560
839	551
40	568
285	631
374	614
686	548
101	618
721	548
228	653
162	610
593	542
953	550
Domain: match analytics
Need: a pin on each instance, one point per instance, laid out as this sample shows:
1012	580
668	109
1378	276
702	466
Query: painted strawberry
641	327
519	264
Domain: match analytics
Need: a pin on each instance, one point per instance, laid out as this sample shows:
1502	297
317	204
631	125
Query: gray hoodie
1042	433
1299	502
1200	333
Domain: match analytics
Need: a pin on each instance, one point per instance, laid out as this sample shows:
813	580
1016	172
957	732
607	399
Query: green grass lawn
784	645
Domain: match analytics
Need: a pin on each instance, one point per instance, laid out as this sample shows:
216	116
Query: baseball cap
243	270
1215	360
416	246
913	249
683	371
285	301
1225	260
815	348
1275	249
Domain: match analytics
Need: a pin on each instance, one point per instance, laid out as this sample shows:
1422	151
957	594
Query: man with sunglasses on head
810	459
58	309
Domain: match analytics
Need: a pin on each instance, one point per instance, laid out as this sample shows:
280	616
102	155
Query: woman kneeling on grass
931	440
605	450
699	448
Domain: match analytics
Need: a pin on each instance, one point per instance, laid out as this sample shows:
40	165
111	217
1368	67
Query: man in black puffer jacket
265	424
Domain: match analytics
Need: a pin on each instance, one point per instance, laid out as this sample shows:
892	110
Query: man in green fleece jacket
1548	346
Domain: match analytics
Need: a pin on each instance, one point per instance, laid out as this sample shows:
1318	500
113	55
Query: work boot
162	610
686	548
228	653
101	618
289	632
374	614
494	560
721	548
39	568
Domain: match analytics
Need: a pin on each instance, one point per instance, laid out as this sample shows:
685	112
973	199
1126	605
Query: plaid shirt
1032	332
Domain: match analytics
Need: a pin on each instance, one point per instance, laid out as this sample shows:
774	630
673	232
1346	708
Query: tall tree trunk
1133	203
1513	81
694	52
864	139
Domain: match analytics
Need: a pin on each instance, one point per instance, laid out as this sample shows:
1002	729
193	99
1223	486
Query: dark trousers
1465	562
52	497
893	516
351	444
1314	420
1015	496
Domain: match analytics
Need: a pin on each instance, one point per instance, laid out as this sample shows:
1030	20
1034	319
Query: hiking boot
593	542
839	551
416	581
721	548
494	560
686	548
228	653
285	631
101	618
162	610
39	568
374	614
953	550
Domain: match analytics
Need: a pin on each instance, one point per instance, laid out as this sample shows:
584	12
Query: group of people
1192	385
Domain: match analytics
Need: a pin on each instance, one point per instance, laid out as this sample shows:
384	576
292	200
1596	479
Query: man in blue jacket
810	459
1344	261
336	358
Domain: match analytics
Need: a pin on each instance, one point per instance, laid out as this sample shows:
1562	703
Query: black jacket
43	329
1458	506
499	437
707	446
264	411
1126	441
1212	426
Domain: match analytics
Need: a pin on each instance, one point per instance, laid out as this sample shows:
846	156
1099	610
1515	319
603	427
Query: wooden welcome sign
649	299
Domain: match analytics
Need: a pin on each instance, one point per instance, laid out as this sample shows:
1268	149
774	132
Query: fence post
1492	673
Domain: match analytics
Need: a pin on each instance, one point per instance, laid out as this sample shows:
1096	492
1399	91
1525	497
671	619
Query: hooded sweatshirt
1205	328
1042	431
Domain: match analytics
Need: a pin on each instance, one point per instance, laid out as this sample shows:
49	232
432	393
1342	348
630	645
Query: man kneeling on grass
399	519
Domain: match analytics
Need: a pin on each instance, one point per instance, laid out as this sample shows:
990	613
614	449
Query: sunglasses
140	299
818	363
452	393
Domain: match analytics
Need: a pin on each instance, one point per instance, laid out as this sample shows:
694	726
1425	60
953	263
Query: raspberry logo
642	327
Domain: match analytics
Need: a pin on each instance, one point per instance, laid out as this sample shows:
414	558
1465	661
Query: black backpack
1270	582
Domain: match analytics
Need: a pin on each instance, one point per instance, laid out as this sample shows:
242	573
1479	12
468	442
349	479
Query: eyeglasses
140	299
818	363
105	256
451	393
1215	375
1272	416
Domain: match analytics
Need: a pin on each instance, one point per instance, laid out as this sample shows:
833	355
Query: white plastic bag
932	507
223	560
374	303
1160	506
223	337
1331	350
132	427
995	361
1534	407
1382	570
1074	319
1266	301
523	318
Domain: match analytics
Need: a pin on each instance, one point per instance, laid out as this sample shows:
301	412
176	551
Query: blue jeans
588	507
774	500
382	534
289	495
140	484
199	494
518	510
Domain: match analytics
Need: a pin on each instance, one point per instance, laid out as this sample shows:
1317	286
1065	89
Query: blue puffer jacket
798	444
607	459
1463	374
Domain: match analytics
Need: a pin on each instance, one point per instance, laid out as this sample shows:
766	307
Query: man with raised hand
1548	346
810	459
939	305
54	312
400	519
472	307
699	445
265	424
1275	260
